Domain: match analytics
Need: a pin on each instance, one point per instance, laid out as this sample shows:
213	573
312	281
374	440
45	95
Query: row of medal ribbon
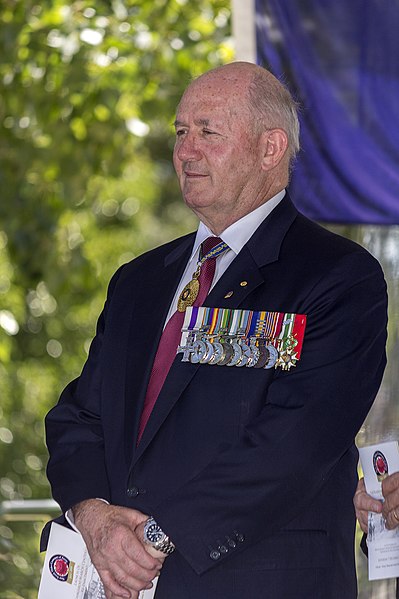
228	337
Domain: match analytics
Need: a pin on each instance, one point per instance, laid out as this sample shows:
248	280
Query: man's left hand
139	530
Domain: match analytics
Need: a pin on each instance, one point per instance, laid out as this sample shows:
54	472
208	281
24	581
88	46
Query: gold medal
191	290
188	295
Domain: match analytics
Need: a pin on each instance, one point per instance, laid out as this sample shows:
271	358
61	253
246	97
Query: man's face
216	155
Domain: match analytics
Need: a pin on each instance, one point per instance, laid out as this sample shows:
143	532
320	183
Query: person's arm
77	473
74	434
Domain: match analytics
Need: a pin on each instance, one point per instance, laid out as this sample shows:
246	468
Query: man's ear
274	147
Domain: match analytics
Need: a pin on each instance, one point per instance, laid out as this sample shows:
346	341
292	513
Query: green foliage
87	97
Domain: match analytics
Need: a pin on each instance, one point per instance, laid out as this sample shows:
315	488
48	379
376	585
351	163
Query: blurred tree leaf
87	97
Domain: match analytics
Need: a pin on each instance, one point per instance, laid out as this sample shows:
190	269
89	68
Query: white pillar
243	26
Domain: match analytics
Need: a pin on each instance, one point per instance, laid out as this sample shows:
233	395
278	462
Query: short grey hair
272	106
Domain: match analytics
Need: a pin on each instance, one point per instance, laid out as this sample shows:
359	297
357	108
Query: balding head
269	102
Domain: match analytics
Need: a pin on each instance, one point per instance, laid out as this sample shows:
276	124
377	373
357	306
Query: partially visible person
389	508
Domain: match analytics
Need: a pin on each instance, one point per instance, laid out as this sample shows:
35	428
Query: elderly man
230	466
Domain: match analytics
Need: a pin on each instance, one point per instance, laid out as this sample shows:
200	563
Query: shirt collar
237	234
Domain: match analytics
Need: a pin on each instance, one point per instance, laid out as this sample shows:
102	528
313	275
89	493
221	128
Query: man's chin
195	201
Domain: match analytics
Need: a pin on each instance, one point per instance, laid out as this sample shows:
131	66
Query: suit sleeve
309	420
74	431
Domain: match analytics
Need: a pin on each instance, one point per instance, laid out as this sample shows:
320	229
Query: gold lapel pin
244	283
229	294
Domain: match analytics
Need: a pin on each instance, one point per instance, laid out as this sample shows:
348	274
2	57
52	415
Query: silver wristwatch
155	536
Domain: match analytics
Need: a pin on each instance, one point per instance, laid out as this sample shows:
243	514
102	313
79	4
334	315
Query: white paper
68	572
383	545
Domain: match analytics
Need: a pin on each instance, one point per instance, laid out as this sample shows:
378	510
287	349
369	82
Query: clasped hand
389	508
114	539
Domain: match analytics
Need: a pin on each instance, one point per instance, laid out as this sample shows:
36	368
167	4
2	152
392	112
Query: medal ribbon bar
277	333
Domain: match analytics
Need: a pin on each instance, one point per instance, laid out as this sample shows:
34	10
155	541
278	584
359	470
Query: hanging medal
189	293
191	290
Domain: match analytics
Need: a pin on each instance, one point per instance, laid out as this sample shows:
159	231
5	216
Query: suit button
239	536
214	554
133	491
221	548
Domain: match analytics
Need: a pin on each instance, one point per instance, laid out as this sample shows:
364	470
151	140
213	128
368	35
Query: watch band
166	546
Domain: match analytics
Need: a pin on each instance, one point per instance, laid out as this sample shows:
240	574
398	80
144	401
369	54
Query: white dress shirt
236	236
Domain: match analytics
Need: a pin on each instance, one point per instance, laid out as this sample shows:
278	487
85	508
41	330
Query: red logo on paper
59	567
380	465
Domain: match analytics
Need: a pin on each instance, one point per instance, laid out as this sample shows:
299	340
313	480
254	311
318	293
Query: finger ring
395	515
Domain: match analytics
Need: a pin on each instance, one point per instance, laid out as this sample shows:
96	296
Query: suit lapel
180	374
153	299
243	276
246	273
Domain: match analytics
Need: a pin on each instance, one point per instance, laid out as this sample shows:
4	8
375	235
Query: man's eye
208	132
180	132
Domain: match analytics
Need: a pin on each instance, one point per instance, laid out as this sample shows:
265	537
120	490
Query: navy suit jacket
250	471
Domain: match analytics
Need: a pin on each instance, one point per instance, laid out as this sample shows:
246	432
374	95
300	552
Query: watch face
154	533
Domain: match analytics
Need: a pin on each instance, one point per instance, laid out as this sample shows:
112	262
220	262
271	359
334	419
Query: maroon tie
170	338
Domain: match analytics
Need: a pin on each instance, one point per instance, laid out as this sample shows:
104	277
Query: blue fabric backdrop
340	59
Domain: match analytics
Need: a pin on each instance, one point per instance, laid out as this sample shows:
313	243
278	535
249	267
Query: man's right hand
118	554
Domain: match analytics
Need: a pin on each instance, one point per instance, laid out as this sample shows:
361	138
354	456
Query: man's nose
187	148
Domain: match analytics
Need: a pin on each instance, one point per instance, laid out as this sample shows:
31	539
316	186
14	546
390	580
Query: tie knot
209	244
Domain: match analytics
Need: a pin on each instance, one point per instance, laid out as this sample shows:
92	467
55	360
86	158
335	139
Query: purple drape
340	60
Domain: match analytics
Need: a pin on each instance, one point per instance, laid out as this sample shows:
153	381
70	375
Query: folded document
378	461
68	572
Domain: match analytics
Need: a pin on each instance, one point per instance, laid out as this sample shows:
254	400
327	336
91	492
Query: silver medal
273	356
255	354
237	353
208	354
227	354
198	351
246	354
217	353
